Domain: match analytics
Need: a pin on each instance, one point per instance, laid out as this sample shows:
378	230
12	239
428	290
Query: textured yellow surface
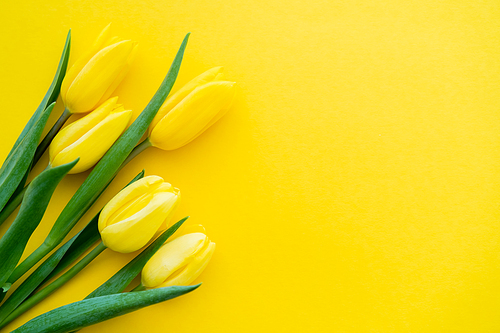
353	187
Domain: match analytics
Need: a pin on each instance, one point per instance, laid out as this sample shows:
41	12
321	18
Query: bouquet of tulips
137	216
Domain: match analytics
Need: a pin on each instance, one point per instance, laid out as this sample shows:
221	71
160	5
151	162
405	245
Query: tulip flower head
136	213
178	262
94	77
89	137
191	110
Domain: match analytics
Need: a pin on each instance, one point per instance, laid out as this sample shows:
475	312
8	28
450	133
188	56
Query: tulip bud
94	77
89	137
136	213
178	262
191	110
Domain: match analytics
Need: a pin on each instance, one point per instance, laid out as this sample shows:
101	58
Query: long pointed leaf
84	313
20	187
34	205
49	98
15	199
17	164
51	95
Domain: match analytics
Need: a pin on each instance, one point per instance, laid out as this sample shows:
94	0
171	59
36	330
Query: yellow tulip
191	110
178	262
136	213
89	137
94	77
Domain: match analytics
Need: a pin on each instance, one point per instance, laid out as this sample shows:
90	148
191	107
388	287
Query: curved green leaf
84	313
17	164
30	214
17	159
49	98
51	95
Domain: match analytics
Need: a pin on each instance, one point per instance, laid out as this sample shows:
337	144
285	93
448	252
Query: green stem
136	151
42	294
29	262
140	287
45	248
42	147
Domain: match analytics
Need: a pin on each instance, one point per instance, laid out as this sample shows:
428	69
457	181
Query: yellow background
353	187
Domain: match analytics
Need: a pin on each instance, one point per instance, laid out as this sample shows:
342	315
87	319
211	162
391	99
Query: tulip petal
77	129
133	233
192	270
192	115
111	41
141	202
96	76
219	77
80	63
95	143
217	117
171	257
120	76
123	198
212	74
135	214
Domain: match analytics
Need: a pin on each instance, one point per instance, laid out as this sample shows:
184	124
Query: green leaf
57	262
104	171
30	214
18	161
17	164
84	313
118	282
16	198
20	187
51	95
